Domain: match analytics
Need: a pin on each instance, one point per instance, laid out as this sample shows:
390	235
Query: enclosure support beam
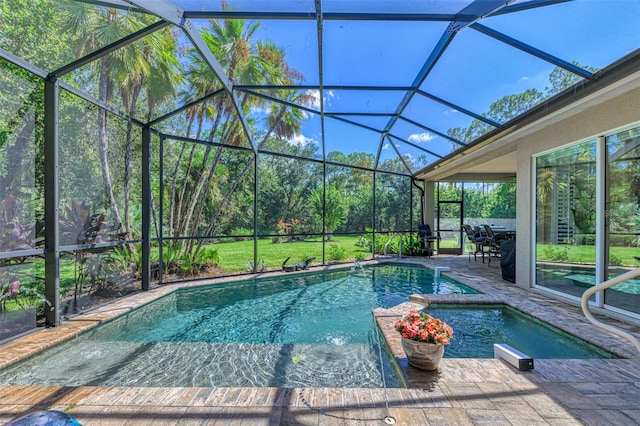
255	212
602	214
146	207
51	203
373	216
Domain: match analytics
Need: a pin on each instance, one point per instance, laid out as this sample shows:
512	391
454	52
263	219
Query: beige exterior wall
585	124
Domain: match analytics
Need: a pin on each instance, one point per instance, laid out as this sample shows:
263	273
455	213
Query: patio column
429	208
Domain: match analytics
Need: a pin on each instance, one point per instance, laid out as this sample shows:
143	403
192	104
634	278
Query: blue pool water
477	327
311	330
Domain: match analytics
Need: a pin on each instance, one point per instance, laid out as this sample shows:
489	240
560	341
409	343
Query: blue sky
474	71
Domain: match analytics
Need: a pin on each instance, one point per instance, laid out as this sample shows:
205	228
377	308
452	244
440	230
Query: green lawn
235	255
585	254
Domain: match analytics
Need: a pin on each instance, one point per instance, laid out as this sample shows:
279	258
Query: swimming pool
478	327
313	330
302	330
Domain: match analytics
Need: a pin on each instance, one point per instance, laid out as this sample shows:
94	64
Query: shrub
337	253
364	241
557	255
360	255
411	244
242	234
615	260
381	241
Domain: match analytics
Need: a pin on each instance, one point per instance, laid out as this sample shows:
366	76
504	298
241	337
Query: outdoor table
504	233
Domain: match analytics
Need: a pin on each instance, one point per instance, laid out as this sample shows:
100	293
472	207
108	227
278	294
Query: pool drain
390	420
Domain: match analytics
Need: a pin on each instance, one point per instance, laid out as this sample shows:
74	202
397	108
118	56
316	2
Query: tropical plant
146	69
94	28
411	244
81	227
15	235
19	291
364	240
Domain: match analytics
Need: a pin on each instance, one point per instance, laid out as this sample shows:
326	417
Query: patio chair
492	242
476	238
427	239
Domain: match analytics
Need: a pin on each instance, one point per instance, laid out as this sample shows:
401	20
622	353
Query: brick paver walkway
462	392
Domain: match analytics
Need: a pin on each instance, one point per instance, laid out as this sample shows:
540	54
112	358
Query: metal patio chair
427	239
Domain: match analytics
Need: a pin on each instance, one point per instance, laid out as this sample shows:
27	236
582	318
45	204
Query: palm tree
246	63
94	28
147	67
153	70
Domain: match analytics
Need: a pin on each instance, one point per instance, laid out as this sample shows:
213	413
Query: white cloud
386	146
420	137
315	101
264	109
315	96
330	94
302	140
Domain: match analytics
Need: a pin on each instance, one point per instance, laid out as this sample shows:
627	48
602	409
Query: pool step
522	362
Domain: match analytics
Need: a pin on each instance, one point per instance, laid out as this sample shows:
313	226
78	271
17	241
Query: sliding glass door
579	241
623	201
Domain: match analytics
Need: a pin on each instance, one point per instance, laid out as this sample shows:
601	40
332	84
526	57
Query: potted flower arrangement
423	339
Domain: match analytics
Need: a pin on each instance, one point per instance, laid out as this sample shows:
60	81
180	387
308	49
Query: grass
235	255
623	256
619	256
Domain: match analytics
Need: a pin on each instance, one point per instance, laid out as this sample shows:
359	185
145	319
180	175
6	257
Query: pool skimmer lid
522	362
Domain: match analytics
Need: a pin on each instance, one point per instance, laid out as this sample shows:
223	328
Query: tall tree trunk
130	101
184	218
103	140
176	169
236	183
225	200
227	134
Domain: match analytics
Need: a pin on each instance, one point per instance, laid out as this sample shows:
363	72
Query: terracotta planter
425	356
